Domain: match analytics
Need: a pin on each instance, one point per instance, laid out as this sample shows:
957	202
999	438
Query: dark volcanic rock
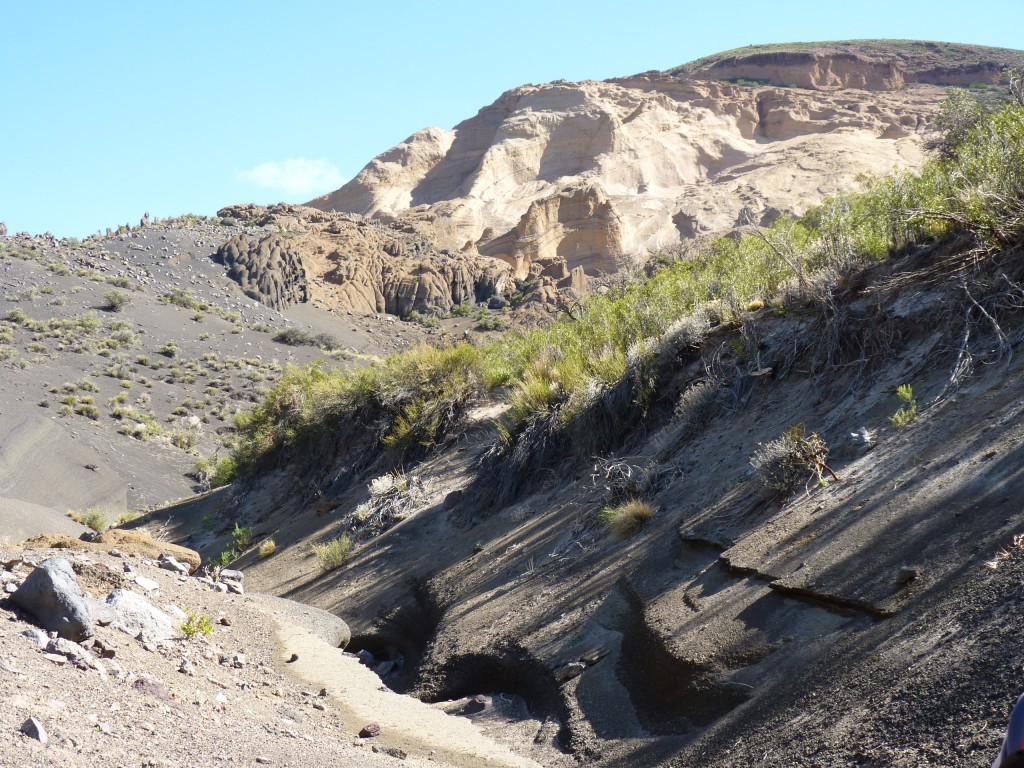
52	596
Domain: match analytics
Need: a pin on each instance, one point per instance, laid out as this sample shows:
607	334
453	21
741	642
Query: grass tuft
625	520
334	553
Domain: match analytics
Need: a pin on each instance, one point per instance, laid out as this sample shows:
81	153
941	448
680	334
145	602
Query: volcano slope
126	356
651	550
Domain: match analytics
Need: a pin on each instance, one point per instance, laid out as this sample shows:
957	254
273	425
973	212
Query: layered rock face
591	172
598	174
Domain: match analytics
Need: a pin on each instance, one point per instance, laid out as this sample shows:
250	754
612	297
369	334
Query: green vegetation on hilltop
578	384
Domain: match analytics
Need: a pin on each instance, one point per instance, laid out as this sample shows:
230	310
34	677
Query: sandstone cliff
595	173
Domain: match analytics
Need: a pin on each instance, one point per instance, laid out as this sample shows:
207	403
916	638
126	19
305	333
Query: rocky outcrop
268	269
574	229
342	261
653	149
666	156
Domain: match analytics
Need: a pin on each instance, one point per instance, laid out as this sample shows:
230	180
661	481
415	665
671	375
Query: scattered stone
235	588
319	705
224	621
34	730
10	588
238	660
136	616
569	671
187	668
103	650
170	563
52	596
395	752
148	584
220	698
369	731
294	657
38	636
293	716
66	648
151	686
227	574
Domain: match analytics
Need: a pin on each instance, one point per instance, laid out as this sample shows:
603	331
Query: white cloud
298	176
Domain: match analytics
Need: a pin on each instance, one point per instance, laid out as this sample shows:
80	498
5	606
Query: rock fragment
369	731
34	730
135	615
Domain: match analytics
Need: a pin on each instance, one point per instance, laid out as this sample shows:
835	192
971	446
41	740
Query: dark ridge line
834	603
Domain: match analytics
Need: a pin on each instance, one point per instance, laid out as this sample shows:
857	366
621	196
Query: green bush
196	625
908	411
116	300
94	518
241	536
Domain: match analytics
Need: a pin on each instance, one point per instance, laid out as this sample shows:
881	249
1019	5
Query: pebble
34	730
369	731
187	668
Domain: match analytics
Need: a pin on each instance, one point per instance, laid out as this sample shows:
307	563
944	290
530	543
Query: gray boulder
135	615
51	595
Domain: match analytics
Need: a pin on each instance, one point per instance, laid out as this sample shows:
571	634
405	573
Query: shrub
116	300
793	458
908	411
267	548
241	536
196	625
334	553
296	337
16	315
184	298
626	520
227	557
126	517
215	472
94	518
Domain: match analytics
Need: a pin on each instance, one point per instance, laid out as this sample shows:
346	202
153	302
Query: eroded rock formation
269	269
603	173
339	261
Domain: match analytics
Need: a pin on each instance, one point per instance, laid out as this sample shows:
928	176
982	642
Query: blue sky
114	109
